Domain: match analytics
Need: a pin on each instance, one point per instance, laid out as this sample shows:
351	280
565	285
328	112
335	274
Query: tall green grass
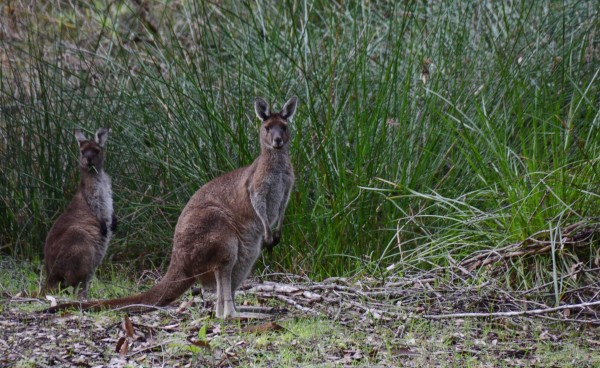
500	142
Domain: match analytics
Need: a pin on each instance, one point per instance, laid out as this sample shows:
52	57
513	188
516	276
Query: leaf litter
338	322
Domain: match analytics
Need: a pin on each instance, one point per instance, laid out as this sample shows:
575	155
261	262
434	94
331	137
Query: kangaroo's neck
274	158
97	192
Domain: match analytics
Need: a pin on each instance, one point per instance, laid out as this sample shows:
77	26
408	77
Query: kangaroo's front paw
272	241
268	241
276	237
103	229
113	223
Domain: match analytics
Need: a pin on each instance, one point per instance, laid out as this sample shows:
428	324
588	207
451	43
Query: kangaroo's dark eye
284	128
267	129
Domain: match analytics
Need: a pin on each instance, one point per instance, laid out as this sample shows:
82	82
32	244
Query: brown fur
77	242
223	227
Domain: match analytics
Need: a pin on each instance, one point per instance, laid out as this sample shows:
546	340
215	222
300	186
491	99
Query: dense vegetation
426	131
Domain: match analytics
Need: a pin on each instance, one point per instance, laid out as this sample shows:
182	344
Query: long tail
168	289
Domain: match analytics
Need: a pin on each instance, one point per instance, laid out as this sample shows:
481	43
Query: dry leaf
200	343
172	327
122	346
265	327
185	305
127	326
424	76
52	300
574	269
556	62
393	123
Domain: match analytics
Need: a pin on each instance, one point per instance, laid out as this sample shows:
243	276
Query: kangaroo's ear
79	136
289	108
261	107
102	136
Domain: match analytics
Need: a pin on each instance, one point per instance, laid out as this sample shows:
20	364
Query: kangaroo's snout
278	135
89	156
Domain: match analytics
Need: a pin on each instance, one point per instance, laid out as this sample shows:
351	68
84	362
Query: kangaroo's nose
278	141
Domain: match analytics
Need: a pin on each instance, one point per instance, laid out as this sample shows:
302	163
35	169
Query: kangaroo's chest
276	192
99	199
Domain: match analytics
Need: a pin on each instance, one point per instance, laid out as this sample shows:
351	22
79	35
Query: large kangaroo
77	242
220	233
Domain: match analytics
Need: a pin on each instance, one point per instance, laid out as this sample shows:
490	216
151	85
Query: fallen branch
296	305
572	320
575	235
272	287
151	347
512	313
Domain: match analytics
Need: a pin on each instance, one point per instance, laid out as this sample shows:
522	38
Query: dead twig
530	312
297	305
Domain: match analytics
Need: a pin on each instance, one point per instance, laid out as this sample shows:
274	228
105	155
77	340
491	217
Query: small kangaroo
223	227
77	242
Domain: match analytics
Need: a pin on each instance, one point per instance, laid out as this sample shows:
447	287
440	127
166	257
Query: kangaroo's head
91	152
274	132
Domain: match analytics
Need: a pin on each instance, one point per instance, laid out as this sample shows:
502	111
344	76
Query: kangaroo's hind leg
226	288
